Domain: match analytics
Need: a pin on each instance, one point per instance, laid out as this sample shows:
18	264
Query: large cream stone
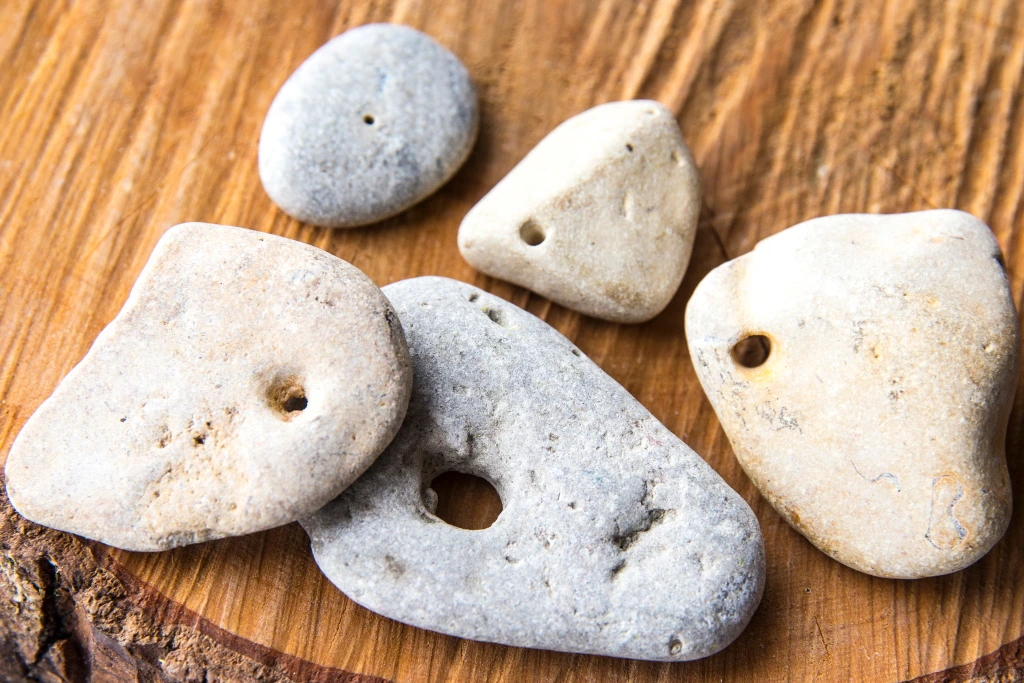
246	382
876	426
600	216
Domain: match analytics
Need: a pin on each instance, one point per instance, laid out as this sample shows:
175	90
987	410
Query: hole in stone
629	147
287	396
532	233
752	351
473	297
466	501
368	119
294	404
496	316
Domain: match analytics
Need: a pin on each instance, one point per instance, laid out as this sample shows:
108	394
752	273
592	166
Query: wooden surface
120	118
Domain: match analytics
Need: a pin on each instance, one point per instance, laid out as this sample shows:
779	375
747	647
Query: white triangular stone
599	217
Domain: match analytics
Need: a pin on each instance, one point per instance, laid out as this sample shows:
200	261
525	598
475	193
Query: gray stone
876	425
373	122
247	380
615	537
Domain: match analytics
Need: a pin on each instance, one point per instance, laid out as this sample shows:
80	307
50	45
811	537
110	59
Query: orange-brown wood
120	118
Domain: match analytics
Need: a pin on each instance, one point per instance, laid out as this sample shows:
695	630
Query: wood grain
120	118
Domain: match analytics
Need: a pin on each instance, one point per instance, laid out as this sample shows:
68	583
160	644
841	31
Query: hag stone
373	122
600	217
877	424
246	382
615	537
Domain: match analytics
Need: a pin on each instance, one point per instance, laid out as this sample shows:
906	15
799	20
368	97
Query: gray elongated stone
247	380
876	425
615	537
373	122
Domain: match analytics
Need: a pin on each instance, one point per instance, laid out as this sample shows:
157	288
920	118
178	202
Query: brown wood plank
120	118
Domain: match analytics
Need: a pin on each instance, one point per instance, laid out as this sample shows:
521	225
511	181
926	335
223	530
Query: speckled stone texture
600	216
247	380
373	122
877	424
615	537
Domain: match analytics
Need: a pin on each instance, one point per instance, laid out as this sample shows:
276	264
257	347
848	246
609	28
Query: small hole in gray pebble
368	119
496	316
474	296
532	233
576	352
674	646
466	501
752	351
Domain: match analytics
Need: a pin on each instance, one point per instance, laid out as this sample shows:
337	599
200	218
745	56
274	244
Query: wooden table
120	118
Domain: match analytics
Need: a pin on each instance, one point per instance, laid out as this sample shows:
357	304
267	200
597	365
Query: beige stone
877	424
247	381
600	216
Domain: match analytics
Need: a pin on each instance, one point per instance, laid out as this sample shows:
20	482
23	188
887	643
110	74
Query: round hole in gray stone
532	232
466	501
368	119
752	351
496	316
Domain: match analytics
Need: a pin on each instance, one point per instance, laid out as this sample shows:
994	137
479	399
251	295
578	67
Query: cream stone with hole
876	426
247	381
600	216
615	538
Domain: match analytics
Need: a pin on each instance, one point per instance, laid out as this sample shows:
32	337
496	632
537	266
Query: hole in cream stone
752	351
532	233
466	501
287	397
294	404
368	119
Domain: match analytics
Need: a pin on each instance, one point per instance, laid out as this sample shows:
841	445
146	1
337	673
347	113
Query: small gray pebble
615	537
373	122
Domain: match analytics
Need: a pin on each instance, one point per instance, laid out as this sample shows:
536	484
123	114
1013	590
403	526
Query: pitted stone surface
600	216
877	424
247	380
615	537
373	122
